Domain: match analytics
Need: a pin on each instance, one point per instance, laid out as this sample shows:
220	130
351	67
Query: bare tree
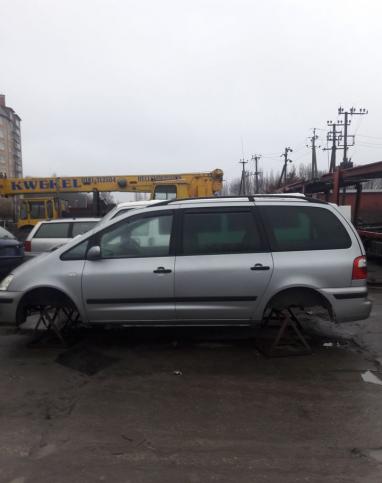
107	198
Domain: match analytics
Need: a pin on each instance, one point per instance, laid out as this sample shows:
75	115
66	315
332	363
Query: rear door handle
162	270
258	266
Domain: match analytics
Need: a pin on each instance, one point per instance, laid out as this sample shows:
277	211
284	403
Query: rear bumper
349	304
9	302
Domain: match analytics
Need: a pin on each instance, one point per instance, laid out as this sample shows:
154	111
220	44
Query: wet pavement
191	406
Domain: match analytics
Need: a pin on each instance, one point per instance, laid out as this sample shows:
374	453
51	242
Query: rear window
296	228
82	227
53	230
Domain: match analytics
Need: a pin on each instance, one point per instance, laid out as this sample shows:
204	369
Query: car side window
219	232
78	252
138	237
37	209
53	230
297	228
81	227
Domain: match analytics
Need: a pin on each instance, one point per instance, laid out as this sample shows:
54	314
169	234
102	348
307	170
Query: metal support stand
288	340
54	320
357	204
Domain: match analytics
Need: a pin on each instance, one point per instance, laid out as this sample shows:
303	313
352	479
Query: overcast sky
125	87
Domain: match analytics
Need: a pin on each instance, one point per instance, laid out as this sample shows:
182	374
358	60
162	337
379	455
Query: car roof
132	204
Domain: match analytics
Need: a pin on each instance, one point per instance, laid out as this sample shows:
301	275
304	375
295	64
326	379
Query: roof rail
251	198
173	200
304	197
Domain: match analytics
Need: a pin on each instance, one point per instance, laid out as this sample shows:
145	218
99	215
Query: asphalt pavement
192	406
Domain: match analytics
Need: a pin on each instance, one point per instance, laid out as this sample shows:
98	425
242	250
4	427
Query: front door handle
259	266
162	270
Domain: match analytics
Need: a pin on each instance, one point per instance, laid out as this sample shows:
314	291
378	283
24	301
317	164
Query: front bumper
9	302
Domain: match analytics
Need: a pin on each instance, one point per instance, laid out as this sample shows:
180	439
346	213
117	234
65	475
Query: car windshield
6	235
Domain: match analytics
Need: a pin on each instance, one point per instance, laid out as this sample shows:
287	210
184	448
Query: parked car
11	252
123	208
49	234
220	261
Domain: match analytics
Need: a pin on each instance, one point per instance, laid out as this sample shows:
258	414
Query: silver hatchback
220	261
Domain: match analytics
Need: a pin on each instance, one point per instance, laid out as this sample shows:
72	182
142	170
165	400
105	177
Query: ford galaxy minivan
215	261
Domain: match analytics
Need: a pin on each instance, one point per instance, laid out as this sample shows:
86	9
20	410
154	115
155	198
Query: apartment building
10	142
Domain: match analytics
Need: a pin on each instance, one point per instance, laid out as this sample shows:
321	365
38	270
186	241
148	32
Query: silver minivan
218	261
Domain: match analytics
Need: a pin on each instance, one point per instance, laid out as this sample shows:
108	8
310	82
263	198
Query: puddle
85	360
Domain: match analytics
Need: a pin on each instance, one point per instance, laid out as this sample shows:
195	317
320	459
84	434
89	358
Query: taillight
359	268
27	245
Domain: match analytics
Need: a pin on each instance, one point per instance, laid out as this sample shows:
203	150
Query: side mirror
94	253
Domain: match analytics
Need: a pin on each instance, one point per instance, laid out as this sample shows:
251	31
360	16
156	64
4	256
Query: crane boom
198	184
159	186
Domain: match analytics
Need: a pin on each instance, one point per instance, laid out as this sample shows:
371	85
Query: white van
123	208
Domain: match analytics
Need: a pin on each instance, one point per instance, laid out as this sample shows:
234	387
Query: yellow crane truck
159	186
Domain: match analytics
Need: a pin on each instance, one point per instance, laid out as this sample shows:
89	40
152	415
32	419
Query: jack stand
54	320
284	343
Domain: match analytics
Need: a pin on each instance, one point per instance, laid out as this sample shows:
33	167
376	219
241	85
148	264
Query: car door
222	266
133	280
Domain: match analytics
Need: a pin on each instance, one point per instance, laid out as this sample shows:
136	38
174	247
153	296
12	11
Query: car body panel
130	290
213	287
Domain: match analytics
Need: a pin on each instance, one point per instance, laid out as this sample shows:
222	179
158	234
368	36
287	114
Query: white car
50	234
123	208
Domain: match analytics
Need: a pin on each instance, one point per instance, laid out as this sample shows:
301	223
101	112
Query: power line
371	137
369	146
369	143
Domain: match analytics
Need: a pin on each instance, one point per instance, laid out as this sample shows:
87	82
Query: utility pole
333	136
313	139
285	166
243	177
346	163
256	158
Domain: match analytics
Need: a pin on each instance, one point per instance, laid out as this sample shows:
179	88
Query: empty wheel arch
298	297
42	297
